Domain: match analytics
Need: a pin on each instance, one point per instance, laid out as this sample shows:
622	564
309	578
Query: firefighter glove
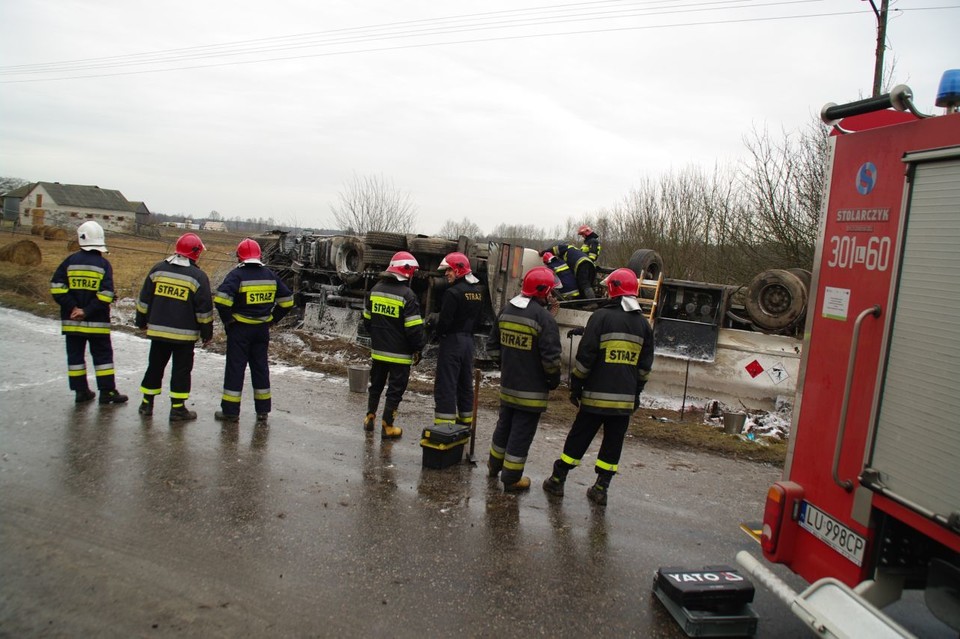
576	389
432	319
575	331
416	358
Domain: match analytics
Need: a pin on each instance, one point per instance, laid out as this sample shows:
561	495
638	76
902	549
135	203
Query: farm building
69	205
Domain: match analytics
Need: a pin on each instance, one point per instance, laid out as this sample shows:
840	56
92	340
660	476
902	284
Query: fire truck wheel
646	263
431	245
776	299
376	257
349	259
382	240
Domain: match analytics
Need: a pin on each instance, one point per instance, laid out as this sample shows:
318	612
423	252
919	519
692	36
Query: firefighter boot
598	492
179	413
226	418
84	396
387	429
369	421
112	397
146	406
553	484
494	466
520	485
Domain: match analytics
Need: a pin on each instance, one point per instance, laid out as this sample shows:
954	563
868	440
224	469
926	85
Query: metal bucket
359	377
733	423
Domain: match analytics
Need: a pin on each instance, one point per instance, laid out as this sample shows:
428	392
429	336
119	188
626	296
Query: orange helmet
547	257
403	265
190	246
538	282
248	250
584	230
458	263
622	282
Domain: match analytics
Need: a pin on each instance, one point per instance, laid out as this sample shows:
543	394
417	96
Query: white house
55	204
214	225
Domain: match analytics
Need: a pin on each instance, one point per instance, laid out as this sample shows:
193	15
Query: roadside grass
28	289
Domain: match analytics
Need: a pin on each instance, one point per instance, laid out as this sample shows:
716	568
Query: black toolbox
443	444
713	601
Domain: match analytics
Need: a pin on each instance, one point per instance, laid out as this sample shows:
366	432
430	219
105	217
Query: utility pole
881	14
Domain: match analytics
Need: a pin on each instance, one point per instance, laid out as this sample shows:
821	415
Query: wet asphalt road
115	526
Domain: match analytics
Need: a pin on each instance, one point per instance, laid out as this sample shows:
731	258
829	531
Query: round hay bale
22	252
73	245
37	229
54	233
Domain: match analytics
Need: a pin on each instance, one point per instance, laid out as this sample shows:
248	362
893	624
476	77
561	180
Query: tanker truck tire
775	299
383	240
646	263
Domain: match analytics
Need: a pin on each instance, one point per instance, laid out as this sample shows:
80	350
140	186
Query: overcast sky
498	111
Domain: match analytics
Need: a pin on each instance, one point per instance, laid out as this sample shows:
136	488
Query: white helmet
90	236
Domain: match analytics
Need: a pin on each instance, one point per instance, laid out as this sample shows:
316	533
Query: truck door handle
874	310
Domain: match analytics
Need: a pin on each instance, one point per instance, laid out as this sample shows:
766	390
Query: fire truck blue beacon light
948	93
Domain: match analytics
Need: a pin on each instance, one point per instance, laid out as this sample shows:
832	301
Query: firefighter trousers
585	427
101	350
511	442
247	344
180	373
586	273
392	375
453	386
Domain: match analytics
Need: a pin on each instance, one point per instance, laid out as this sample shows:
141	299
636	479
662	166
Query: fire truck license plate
832	532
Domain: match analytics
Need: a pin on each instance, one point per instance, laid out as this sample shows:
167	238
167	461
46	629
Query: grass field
28	289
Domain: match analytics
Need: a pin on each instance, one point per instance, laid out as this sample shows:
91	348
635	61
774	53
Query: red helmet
621	282
585	230
403	265
190	246
458	263
538	282
547	257
248	250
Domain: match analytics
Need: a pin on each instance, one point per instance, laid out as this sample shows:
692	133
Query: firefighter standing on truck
175	308
249	300
612	365
525	342
591	242
83	287
391	315
460	306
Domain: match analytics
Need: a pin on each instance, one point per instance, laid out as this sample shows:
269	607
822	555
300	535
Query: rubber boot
262	418
520	485
494	466
220	416
598	492
146	406
553	484
387	429
179	413
369	421
84	396
112	397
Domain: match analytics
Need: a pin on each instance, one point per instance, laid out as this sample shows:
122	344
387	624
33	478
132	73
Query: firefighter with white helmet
175	308
391	315
249	300
83	287
612	365
525	342
460	306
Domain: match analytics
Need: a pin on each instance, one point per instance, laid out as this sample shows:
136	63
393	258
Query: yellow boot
369	421
387	429
520	485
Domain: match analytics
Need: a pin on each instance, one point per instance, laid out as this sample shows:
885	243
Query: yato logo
866	178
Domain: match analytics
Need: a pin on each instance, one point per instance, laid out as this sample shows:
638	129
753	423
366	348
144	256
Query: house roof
88	197
20	191
139	207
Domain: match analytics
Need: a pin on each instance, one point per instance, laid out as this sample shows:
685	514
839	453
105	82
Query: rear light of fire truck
776	537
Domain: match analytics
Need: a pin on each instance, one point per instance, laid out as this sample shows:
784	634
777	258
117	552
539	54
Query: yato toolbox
443	444
713	601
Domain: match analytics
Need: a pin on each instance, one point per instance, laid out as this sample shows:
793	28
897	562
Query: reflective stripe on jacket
175	304
84	280
391	315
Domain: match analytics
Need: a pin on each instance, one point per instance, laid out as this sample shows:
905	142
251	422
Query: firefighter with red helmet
83	288
583	268
175	308
566	282
613	362
391	315
249	300
525	342
460	306
591	242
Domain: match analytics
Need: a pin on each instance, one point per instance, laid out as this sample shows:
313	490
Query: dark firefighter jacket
526	342
84	280
460	308
591	246
252	294
568	281
570	254
392	317
613	360
175	303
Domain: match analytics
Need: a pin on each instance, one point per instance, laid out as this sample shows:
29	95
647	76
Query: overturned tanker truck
736	345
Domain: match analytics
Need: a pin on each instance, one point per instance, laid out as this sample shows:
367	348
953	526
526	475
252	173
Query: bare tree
454	229
372	203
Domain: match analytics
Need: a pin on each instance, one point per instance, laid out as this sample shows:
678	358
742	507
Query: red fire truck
869	502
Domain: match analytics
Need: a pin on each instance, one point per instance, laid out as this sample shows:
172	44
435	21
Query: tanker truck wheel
648	265
775	299
384	240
